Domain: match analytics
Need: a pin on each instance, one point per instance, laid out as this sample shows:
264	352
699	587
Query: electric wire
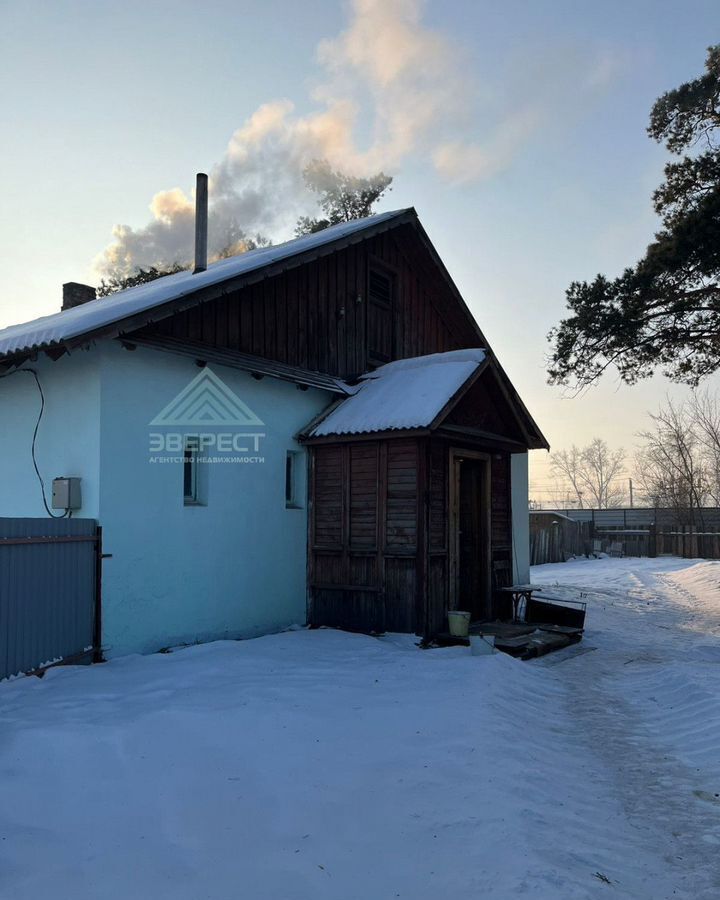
32	372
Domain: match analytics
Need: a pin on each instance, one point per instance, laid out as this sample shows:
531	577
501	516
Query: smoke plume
387	69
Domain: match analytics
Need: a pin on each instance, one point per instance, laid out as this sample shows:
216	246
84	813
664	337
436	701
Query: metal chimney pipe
201	222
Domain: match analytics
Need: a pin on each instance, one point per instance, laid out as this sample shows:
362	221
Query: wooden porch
408	523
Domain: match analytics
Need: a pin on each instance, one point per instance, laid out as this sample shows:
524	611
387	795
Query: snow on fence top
409	393
105	311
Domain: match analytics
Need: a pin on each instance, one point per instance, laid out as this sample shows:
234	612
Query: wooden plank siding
501	525
379	532
401	516
484	408
317	316
438	548
363	535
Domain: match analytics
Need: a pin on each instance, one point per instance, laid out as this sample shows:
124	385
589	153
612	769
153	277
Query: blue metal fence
49	592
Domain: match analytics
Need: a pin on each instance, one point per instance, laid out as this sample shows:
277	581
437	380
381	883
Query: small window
292	474
190	471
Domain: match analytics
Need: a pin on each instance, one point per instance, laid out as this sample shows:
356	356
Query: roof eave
347	437
255	365
125	325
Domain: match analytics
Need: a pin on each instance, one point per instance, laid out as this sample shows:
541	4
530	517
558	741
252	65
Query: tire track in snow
656	790
647	717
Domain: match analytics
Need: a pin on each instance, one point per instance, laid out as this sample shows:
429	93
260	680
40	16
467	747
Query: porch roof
401	395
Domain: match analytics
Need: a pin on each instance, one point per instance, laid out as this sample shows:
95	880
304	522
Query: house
315	431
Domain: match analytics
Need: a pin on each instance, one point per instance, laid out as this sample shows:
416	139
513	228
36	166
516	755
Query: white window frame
191	452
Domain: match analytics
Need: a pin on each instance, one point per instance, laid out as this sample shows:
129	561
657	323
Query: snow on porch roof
409	393
70	324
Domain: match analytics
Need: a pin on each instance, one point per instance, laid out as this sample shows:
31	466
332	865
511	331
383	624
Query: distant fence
555	537
639	531
49	592
689	543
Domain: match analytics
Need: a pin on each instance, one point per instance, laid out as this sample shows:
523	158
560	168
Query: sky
516	129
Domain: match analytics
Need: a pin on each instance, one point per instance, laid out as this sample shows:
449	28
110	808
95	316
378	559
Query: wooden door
471	526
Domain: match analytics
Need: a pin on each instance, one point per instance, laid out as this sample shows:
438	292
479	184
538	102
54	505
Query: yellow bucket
458	622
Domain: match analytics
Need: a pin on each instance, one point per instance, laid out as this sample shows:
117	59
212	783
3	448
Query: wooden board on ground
538	643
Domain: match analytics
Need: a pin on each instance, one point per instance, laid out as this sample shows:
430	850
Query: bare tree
593	473
706	416
678	466
672	465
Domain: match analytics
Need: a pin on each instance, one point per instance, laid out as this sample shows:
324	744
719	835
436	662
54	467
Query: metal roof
406	394
129	310
98	315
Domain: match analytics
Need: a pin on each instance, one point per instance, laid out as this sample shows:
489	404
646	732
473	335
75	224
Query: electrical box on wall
66	493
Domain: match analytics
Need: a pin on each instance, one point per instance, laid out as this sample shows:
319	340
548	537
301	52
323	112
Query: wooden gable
484	408
380	299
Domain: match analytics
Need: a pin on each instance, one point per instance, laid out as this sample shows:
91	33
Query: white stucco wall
234	567
68	438
520	518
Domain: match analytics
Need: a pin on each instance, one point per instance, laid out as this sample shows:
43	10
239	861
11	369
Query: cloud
389	88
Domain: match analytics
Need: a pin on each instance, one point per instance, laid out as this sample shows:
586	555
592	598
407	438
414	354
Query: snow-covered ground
317	765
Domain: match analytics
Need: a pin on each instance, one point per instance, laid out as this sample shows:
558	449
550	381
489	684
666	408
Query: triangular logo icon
207	401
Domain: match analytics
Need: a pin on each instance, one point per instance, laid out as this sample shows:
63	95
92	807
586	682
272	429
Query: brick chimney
75	294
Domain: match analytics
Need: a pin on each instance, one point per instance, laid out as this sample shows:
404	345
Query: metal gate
49	592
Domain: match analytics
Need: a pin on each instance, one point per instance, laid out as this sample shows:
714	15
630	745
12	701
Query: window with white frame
190	471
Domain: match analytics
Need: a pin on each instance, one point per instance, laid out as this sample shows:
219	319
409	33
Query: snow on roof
73	323
408	393
551	512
